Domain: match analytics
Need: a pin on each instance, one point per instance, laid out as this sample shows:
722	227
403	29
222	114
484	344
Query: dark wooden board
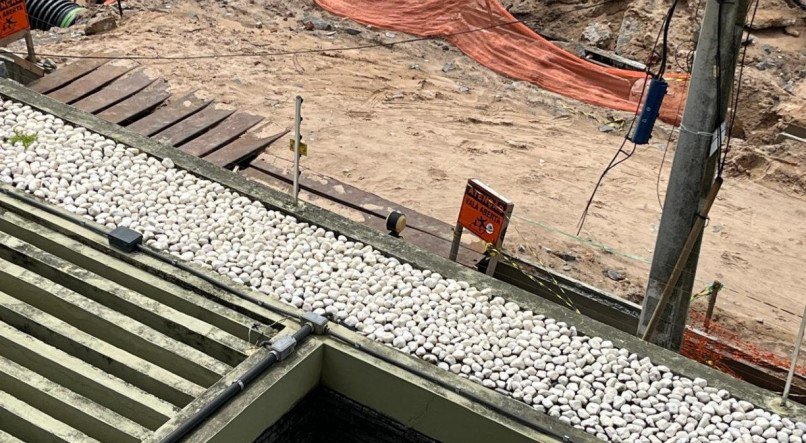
358	198
166	116
151	96
423	240
91	82
241	150
192	126
561	290
116	91
64	75
228	130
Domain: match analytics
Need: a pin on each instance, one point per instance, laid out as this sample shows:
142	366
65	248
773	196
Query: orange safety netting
512	49
721	343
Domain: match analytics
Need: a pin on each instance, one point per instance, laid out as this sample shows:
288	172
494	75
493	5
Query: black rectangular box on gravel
125	239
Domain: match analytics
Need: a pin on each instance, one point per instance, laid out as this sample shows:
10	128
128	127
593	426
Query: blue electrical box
649	111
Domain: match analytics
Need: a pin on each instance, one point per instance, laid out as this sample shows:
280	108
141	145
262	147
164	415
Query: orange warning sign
484	212
13	17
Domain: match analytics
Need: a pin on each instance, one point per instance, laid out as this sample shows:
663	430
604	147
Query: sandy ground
394	122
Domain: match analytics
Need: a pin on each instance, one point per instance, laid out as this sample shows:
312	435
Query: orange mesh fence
511	49
721	343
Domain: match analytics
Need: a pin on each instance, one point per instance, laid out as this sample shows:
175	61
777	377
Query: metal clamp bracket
283	347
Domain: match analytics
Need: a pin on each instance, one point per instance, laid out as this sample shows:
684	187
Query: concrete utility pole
693	168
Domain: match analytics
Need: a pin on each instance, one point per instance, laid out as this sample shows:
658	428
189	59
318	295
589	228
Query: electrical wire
665	49
613	163
689	61
302	51
672	132
685	65
562	297
735	107
718	66
664	31
660	168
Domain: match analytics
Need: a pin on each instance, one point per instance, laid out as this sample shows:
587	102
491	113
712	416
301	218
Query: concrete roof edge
504	404
399	249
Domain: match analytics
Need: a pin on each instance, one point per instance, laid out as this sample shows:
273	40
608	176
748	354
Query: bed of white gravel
585	381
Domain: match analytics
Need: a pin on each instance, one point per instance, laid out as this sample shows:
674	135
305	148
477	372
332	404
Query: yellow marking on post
303	148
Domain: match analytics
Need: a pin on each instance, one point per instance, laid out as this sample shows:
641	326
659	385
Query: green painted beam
50	232
265	401
429	408
110	326
132	277
5	437
30	424
179	326
81	378
66	406
116	361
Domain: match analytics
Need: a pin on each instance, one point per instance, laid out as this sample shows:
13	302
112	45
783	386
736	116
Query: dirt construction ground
413	122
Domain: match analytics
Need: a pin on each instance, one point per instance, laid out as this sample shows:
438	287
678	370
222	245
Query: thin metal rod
715	287
297	138
795	355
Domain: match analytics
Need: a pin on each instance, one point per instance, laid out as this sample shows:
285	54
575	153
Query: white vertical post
795	355
297	139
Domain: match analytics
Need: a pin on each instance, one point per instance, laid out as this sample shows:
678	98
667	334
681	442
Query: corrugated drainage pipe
45	14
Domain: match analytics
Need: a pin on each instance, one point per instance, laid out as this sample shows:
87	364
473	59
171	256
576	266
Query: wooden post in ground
716	286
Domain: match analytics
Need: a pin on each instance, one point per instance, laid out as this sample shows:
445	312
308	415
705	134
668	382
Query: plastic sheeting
484	30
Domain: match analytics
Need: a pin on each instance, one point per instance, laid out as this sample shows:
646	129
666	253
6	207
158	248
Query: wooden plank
192	126
424	240
115	92
241	150
91	82
169	114
64	75
353	197
24	63
151	96
429	242
228	130
559	289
